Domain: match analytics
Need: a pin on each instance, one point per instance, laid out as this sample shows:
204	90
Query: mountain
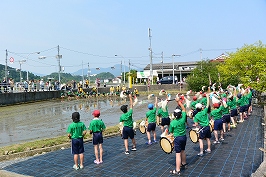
115	70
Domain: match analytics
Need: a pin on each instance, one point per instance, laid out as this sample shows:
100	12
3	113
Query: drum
194	135
211	124
142	126
167	144
121	126
158	120
171	116
190	114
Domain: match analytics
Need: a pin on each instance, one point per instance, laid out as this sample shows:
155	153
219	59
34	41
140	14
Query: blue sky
95	31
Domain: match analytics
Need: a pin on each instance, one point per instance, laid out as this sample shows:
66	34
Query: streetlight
174	55
58	58
124	66
20	63
27	59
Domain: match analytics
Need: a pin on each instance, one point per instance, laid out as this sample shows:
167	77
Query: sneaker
75	167
207	151
149	143
127	152
133	149
216	142
200	154
221	139
81	166
233	126
154	141
184	165
96	162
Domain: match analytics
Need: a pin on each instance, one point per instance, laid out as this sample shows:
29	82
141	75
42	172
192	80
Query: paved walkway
238	155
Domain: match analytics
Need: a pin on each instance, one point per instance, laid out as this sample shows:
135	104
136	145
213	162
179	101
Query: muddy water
26	122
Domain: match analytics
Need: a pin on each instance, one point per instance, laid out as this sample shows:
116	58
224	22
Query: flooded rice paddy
46	119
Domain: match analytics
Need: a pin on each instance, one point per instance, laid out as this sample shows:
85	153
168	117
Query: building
181	70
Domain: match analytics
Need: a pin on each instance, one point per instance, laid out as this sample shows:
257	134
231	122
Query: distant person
127	121
76	131
96	128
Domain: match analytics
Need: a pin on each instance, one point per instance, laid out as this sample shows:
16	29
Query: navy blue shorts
246	107
233	113
205	133
194	112
97	138
226	118
77	146
218	124
151	127
165	121
242	109
180	143
128	132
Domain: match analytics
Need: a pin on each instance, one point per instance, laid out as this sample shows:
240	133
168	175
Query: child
76	131
96	128
163	114
151	118
202	119
178	129
216	115
126	119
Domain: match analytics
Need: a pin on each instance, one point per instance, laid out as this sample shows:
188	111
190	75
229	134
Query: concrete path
238	155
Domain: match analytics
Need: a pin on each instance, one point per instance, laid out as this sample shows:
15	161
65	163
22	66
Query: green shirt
216	114
202	118
241	101
163	114
225	110
193	104
178	126
96	125
203	101
127	118
76	129
151	115
232	103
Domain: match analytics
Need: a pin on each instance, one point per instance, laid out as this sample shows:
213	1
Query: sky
104	33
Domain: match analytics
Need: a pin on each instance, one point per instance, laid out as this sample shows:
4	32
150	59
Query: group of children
77	130
223	113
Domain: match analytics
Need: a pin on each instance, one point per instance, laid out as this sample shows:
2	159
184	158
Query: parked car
167	80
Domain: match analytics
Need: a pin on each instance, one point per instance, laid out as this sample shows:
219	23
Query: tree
246	66
205	72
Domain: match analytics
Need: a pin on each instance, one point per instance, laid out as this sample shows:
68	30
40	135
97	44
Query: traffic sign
11	60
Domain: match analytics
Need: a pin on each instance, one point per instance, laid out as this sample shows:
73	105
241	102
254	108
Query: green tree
205	72
246	66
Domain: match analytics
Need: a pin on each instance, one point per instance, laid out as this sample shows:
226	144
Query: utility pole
59	66
82	76
151	72
162	64
201	59
6	66
89	73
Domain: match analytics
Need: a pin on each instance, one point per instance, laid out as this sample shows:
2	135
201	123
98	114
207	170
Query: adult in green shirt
201	119
127	120
178	129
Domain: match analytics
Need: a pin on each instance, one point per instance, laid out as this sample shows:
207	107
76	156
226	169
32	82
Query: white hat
198	105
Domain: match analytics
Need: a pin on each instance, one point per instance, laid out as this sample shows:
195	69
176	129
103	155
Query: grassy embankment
50	142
